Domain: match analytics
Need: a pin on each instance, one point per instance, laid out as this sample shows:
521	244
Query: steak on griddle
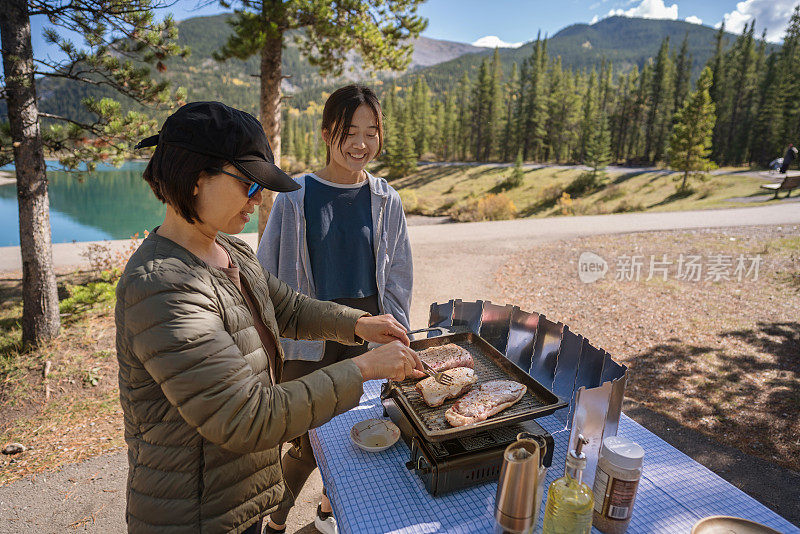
484	401
434	394
444	357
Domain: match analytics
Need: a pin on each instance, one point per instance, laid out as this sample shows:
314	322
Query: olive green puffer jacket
203	421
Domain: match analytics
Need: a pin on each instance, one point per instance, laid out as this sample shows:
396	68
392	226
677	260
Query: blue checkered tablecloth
375	493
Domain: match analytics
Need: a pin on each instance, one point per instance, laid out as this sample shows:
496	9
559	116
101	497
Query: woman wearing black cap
197	326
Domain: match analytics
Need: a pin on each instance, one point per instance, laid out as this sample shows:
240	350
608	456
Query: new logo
591	267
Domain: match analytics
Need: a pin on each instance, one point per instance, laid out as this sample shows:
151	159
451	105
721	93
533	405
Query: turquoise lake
110	203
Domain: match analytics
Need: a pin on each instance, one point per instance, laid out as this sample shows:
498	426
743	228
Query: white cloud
770	14
693	20
493	41
594	19
648	9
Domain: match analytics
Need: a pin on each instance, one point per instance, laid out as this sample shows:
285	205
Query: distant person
198	322
788	158
341	237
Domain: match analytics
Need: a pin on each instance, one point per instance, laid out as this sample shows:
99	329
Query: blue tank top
339	238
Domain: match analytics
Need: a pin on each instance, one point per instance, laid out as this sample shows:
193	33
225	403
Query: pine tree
449	129
509	141
659	116
437	127
532	123
290	128
598	147
563	116
495	101
621	116
590	112
120	65
420	98
480	110
717	83
741	61
690	143
401	156
407	162
789	69
464	120
744	140
517	172
635	150
390	124
765	141
606	79
683	70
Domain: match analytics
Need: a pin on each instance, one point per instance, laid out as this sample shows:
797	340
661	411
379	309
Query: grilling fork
440	377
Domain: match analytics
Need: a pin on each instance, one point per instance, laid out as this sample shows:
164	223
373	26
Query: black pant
298	462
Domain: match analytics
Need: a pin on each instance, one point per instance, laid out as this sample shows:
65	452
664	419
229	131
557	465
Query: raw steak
434	394
444	357
485	401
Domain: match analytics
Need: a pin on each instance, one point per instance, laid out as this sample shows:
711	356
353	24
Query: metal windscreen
549	351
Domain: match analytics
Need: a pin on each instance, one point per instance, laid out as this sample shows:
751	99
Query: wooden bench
788	184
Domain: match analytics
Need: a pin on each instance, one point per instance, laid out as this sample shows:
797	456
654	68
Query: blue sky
518	21
514	22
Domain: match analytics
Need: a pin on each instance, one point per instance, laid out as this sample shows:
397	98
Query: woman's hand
394	361
381	329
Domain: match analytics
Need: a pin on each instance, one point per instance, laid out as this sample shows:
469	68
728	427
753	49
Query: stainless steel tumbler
519	490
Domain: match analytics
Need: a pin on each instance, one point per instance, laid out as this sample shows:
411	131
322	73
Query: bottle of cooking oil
569	500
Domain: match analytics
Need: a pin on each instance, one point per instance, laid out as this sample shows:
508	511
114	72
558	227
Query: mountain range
623	41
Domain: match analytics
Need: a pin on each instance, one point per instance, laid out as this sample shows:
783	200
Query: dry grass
71	414
721	357
444	190
492	207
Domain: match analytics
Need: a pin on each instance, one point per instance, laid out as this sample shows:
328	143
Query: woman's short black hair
172	173
337	115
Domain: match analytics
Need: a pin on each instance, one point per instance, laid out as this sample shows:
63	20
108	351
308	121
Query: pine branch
111	31
51	8
93	128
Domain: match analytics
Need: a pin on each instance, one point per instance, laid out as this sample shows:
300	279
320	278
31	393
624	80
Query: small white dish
374	435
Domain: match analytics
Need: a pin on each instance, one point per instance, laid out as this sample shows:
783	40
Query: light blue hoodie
283	252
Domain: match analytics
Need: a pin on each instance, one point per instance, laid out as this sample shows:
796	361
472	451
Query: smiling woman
341	237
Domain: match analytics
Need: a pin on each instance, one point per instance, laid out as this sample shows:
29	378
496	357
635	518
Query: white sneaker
325	522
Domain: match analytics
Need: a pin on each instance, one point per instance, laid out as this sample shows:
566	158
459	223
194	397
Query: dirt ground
720	356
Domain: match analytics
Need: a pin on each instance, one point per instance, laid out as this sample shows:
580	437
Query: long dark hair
337	116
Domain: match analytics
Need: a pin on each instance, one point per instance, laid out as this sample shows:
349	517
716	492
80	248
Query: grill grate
487	370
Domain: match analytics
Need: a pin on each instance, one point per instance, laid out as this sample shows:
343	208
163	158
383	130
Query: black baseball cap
220	131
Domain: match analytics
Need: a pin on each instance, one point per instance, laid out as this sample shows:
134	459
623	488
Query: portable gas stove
450	465
448	458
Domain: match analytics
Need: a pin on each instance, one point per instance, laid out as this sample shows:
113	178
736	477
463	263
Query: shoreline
440	234
8	177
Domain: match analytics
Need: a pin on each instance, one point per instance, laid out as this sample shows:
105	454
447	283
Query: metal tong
440	377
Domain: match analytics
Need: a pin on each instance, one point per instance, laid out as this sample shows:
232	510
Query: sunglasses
252	190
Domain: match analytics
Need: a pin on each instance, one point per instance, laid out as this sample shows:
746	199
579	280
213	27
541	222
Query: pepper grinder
519	490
